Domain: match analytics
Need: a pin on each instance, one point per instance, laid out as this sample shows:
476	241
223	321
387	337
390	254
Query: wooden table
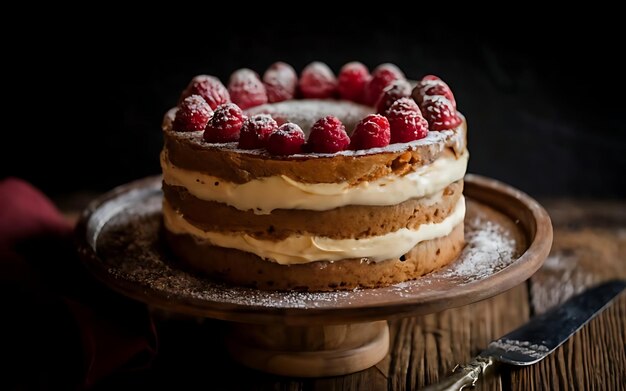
589	247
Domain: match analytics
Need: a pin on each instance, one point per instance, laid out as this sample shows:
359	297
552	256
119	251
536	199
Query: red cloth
40	272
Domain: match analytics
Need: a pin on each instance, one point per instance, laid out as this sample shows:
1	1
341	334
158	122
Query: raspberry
431	86
246	89
430	77
403	105
406	121
255	131
443	90
225	124
317	81
371	132
208	87
193	114
353	78
287	140
280	81
328	135
394	91
382	76
440	113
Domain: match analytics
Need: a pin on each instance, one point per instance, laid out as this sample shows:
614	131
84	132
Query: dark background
543	101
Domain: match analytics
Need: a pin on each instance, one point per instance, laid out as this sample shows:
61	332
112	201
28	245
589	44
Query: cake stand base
309	351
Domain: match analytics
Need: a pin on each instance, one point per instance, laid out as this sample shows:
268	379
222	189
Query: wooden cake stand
311	334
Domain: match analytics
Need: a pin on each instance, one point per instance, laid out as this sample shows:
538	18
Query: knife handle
463	375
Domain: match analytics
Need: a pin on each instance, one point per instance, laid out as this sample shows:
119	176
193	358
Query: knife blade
533	341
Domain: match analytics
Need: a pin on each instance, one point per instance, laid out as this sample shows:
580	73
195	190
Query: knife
536	339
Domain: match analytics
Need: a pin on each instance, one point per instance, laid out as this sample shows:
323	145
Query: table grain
589	247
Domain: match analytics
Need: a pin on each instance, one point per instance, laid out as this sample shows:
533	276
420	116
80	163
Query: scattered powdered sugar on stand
489	249
131	249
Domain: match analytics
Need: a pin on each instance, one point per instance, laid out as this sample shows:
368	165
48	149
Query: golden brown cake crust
187	150
242	268
339	223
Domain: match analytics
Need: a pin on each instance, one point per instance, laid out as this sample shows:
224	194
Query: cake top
305	112
282	115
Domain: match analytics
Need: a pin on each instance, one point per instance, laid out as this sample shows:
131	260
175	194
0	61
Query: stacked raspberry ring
206	105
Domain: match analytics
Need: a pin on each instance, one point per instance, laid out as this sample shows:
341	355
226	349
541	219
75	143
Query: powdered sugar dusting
131	250
489	249
306	111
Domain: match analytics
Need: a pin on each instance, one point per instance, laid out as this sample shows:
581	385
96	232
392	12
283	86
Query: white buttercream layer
281	192
301	249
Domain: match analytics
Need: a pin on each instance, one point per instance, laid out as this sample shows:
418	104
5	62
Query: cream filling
299	249
281	192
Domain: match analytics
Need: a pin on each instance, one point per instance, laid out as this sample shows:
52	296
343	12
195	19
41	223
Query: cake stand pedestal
309	351
311	334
